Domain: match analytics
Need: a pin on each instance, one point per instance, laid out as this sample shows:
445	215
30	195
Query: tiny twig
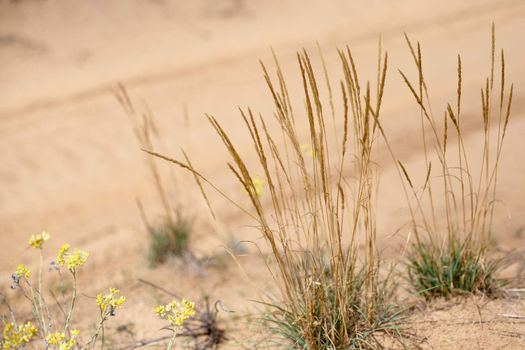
518	317
151	284
141	343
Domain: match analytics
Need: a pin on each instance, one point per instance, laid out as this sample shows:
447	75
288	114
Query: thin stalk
171	343
72	305
39	291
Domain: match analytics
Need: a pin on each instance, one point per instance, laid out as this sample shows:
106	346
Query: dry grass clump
451	256
315	204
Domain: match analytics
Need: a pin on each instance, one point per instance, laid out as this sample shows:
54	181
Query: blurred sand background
70	163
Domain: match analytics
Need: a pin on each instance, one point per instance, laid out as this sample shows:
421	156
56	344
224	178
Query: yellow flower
13	338
55	338
62	253
258	184
71	260
306	149
59	340
36	241
176	313
22	271
160	310
109	302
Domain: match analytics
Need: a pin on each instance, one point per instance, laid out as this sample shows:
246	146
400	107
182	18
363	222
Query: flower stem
172	341
39	293
73	299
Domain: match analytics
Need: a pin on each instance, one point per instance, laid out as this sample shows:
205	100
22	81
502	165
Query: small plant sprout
14	337
176	314
168	238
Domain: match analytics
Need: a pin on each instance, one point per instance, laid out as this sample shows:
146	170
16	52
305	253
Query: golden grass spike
492	55
419	101
507	115
485	105
427	178
263	161
318	107
275	152
248	186
123	97
412	51
287	105
354	70
405	173
420	71
276	99
248	126
231	148
345	120
309	109
453	118
328	85
379	57
381	88
445	131
366	123
502	88
350	85
459	86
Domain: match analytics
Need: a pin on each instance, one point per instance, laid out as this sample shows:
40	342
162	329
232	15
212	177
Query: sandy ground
71	165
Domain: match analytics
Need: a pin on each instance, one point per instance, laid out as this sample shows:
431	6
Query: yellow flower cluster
258	185
13	338
306	149
176	313
22	271
36	241
59	340
71	260
109	302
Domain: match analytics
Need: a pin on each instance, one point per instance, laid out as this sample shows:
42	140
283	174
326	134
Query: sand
71	165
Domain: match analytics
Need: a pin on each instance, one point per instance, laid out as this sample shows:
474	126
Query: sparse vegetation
322	208
311	184
168	239
457	268
452	255
170	235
